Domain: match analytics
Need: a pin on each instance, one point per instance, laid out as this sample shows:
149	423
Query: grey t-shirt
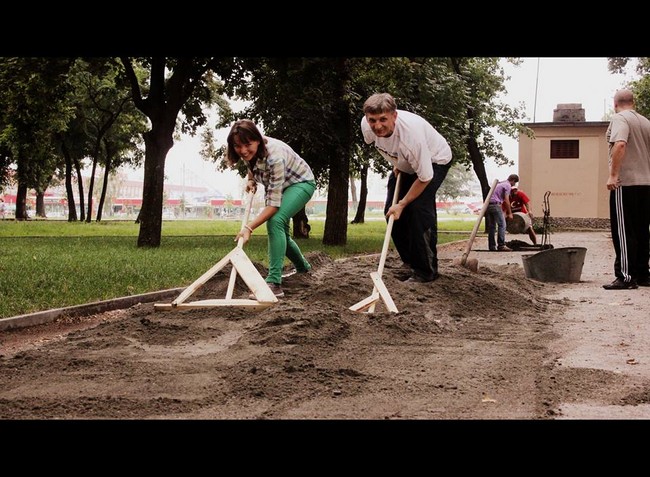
634	129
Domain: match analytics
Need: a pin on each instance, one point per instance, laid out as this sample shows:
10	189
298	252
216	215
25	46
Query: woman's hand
251	186
244	234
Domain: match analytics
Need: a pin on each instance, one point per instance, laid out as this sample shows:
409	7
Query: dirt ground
484	345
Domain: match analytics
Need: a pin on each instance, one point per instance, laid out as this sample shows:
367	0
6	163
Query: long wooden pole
384	249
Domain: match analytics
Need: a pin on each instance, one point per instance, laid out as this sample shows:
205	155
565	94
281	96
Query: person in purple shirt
499	201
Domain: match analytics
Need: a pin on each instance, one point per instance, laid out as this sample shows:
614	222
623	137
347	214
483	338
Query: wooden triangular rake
379	290
241	265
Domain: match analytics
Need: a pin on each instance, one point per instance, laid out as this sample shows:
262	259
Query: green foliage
456	184
641	90
33	108
312	103
640	86
297	99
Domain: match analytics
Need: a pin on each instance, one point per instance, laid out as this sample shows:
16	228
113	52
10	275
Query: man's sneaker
643	282
504	248
275	288
619	284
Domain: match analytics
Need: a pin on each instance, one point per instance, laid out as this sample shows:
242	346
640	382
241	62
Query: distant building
124	200
567	157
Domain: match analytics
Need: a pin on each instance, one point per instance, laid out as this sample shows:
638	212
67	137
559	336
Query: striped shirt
281	168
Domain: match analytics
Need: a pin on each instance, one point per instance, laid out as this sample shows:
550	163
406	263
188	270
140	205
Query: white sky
558	80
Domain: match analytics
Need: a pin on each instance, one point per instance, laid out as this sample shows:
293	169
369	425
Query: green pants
294	198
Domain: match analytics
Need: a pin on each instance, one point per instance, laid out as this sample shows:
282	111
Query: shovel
472	264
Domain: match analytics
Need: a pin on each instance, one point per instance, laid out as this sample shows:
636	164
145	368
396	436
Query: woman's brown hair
246	131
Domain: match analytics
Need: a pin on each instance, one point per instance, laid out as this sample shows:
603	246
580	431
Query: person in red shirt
519	202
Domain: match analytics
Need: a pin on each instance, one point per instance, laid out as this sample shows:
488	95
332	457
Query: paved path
605	333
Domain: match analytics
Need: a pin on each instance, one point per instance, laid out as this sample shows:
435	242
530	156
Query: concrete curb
47	316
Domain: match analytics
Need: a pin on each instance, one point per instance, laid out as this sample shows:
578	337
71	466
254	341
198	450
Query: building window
565	149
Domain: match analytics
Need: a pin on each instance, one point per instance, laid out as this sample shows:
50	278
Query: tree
315	105
172	86
33	110
307	103
109	123
461	97
456	184
641	86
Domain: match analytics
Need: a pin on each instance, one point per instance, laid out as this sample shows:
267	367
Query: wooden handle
486	203
240	244
384	249
389	228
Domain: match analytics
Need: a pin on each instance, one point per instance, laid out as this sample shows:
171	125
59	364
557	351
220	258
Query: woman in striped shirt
288	185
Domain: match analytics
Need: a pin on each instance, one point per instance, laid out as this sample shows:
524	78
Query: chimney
569	113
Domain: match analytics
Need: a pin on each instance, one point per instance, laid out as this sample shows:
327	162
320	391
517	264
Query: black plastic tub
560	265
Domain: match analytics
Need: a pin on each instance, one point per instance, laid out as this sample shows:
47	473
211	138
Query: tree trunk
102	197
21	202
301	225
353	192
80	185
91	186
336	218
158	141
40	204
72	209
479	168
359	218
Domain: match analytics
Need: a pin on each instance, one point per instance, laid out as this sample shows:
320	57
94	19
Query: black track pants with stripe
629	214
415	234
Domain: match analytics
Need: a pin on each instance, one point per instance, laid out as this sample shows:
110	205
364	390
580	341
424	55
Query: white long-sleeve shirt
413	147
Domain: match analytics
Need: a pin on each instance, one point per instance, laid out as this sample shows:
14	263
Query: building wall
577	186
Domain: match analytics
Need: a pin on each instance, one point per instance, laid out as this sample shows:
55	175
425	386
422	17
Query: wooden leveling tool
379	290
241	265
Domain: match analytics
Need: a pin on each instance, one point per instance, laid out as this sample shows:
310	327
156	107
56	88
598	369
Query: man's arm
506	201
617	154
526	201
416	189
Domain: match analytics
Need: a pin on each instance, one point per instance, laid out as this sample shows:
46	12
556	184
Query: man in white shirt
422	156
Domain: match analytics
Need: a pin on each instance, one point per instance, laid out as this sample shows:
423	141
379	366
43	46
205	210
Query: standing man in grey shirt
628	136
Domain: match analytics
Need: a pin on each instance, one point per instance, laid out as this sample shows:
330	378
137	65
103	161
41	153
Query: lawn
47	264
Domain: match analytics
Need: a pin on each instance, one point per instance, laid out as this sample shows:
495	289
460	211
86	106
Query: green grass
53	264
